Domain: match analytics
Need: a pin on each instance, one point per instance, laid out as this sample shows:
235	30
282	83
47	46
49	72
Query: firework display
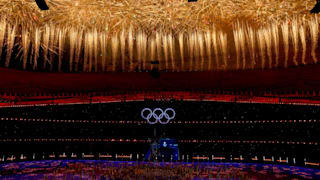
100	36
159	89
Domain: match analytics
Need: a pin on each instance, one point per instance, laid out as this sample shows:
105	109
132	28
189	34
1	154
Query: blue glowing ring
166	115
155	115
149	115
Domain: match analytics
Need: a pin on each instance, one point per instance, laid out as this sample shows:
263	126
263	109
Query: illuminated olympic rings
158	117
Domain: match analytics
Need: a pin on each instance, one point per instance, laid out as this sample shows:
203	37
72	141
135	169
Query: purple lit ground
98	169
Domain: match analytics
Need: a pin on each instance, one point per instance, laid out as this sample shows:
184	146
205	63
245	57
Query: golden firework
112	35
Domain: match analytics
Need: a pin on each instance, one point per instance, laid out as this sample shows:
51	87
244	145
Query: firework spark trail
130	44
252	45
165	50
139	48
45	45
36	47
61	47
242	38
240	44
73	37
78	50
103	47
215	46
171	43
268	42
114	48
237	47
261	43
53	44
303	42
11	36
181	47
295	39
285	36
223	39
152	49
144	49
207	38
96	49
91	49
86	52
158	45
201	49
26	43
314	32
196	50
190	49
123	48
3	26
275	38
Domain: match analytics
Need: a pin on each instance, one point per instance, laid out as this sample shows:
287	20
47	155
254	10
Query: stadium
159	89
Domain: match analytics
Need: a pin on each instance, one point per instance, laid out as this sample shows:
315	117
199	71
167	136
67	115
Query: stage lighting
42	4
316	8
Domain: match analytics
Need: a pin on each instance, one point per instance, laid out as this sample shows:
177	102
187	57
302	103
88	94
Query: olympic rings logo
158	114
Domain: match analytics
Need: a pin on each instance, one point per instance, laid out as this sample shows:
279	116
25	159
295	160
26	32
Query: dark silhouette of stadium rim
316	8
42	4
